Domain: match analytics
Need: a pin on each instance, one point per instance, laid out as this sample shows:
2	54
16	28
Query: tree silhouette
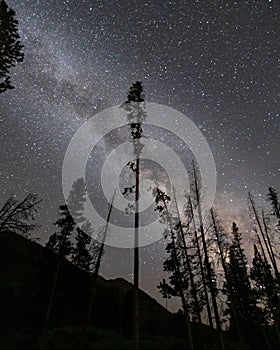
76	200
136	115
59	242
174	263
166	290
81	255
223	250
71	214
135	93
194	304
16	215
190	213
266	290
265	242
182	253
10	45
210	277
275	203
97	250
238	286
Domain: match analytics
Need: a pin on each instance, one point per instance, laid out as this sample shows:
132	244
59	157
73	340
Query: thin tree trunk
50	304
208	268
93	280
275	294
101	250
258	316
216	231
188	262
136	257
135	95
267	242
270	253
181	289
275	302
270	247
201	267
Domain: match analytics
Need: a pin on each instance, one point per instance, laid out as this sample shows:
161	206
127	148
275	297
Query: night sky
217	62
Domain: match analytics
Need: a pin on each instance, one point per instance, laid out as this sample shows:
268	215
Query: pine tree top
135	93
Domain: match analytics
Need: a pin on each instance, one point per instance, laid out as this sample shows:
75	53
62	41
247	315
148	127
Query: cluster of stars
216	62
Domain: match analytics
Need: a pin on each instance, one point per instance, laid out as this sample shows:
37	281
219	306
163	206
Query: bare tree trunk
188	262
101	250
93	279
50	304
270	247
136	257
265	239
275	310
201	267
181	289
216	231
207	263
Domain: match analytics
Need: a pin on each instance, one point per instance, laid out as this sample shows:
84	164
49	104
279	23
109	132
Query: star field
215	61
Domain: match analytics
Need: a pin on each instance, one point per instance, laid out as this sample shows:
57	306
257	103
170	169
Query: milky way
215	61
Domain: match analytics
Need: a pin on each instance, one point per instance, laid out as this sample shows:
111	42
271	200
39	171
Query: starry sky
215	61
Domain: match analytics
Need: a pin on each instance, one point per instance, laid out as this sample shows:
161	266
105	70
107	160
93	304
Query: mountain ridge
27	272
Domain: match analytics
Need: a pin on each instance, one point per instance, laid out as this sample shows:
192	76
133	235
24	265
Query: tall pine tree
136	115
238	287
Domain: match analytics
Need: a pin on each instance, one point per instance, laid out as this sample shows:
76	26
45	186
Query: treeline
207	266
72	240
208	269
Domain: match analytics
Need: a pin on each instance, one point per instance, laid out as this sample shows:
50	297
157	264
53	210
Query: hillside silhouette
26	275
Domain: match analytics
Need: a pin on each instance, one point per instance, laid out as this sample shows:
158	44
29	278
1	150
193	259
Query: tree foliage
275	203
266	288
59	241
81	254
238	286
73	240
10	45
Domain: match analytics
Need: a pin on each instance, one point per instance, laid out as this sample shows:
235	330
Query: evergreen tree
174	263
182	272
166	290
265	288
195	304
10	45
223	248
136	115
71	215
238	287
60	242
76	200
210	278
81	255
275	203
135	93
264	238
202	285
